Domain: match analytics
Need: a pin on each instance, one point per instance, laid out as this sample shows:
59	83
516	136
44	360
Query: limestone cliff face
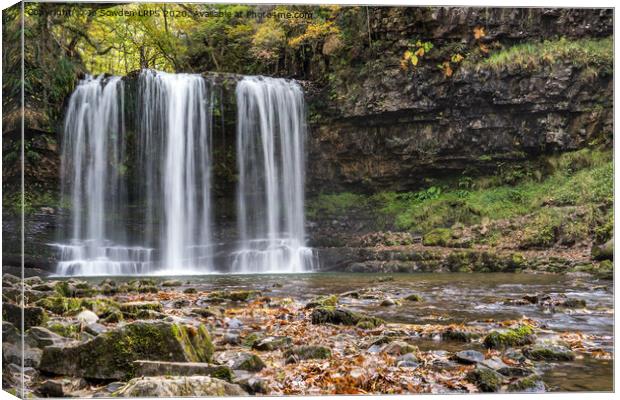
382	127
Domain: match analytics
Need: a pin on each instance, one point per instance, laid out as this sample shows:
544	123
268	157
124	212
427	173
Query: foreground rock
161	368
111	354
195	386
341	316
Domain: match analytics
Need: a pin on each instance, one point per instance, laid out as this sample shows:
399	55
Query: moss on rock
520	336
340	316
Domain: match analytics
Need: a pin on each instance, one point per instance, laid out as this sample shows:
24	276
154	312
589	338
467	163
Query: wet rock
195	386
10	333
529	384
61	387
206	312
341	316
10	280
171	283
252	339
108	389
43	287
110	355
532	299
398	347
485	379
469	356
548	353
239	295
308	353
251	383
494	363
180	303
247	362
33	280
604	251
231	338
95	329
272	343
12	354
323	301
190	290
573	303
113	316
515	372
234	323
388	302
87	317
33	316
414	298
514	337
162	368
41	337
459	335
133	307
408	360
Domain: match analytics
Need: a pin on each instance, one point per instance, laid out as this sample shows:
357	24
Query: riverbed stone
33	316
272	343
61	387
323	301
110	355
171	283
548	353
469	356
341	316
175	386
87	317
167	368
247	362
528	384
10	333
133	307
40	337
514	337
485	379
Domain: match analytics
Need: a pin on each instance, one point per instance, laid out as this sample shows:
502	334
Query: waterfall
137	177
172	177
175	155
270	158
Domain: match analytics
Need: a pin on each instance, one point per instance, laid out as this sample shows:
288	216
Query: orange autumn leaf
479	32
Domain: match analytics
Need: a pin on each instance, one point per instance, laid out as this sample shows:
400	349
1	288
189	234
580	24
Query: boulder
341	316
529	384
10	333
171	283
514	337
272	343
308	353
62	387
398	348
41	337
87	317
175	386
133	307
165	368
247	362
485	379
548	353
33	316
12	354
604	251
323	301
110	355
469	356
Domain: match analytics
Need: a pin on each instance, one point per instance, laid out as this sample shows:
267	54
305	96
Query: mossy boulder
248	362
71	306
134	307
341	316
323	301
514	337
272	343
485	379
33	316
458	335
528	384
309	352
237	295
548	353
65	328
171	283
251	339
414	298
111	354
166	368
604	251
179	386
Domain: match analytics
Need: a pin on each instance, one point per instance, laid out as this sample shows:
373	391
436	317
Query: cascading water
270	158
175	154
172	177
139	184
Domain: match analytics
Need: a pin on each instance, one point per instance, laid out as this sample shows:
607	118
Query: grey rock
195	386
163	368
469	356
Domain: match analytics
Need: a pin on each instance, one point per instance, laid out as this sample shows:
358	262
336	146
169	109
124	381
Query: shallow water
461	298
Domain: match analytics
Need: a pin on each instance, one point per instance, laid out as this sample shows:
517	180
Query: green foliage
335	204
594	54
543	230
584	177
437	237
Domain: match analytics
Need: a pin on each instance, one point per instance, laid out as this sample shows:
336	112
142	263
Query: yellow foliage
479	32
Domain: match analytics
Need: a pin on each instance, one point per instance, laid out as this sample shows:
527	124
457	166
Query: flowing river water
467	298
